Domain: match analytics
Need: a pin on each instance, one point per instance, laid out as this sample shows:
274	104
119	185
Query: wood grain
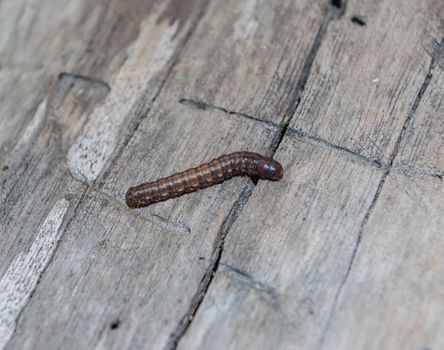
365	79
19	281
99	96
295	245
37	133
168	121
41	40
396	278
393	296
133	281
287	278
248	56
422	152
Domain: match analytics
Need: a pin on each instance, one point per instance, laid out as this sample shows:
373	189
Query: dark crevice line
295	100
410	116
417	173
205	282
407	122
251	282
137	122
246	278
87	79
354	253
331	13
337	7
394	153
204	106
212	268
359	20
336	3
435	51
305	136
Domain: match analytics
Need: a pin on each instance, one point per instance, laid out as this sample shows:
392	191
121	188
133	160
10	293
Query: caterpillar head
270	169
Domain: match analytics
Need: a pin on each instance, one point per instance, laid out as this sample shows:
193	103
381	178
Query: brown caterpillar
216	171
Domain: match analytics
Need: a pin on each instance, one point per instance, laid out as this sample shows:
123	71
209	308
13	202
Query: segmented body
216	171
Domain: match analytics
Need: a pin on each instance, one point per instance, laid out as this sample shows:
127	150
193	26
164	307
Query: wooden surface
345	252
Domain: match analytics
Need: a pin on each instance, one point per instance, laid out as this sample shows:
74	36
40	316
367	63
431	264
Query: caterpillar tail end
130	200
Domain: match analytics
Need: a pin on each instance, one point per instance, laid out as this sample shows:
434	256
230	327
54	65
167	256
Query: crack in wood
436	51
247	279
359	20
407	122
415	172
330	14
213	266
206	280
308	137
306	69
201	105
83	78
250	281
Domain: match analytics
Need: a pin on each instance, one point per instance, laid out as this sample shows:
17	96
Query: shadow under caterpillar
208	174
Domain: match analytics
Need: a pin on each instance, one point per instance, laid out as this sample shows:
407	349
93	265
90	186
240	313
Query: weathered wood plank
393	297
294	271
40	40
249	60
422	148
134	87
147	284
38	198
93	39
34	174
15	110
291	247
286	260
19	281
107	276
155	141
366	78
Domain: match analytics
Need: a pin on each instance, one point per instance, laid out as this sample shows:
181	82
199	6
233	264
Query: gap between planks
407	122
307	137
332	11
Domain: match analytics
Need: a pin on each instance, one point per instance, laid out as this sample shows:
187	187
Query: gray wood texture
345	252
